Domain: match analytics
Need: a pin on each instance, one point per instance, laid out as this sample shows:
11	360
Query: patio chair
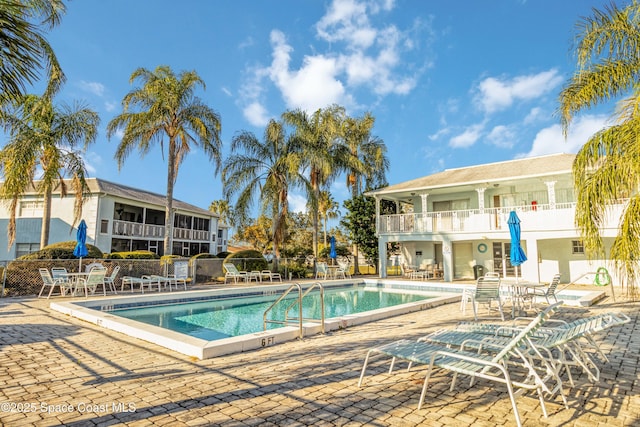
504	365
487	290
60	273
91	282
48	281
549	292
111	279
345	268
322	269
231	272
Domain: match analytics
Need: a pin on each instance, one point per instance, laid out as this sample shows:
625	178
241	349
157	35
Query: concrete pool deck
58	370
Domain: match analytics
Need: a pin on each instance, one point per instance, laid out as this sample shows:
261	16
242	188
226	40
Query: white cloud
359	55
92	87
467	138
502	136
256	114
494	94
550	140
110	106
534	115
297	203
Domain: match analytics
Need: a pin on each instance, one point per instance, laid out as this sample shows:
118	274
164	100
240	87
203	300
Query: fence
21	277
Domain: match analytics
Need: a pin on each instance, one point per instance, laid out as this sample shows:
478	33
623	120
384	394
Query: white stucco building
457	219
119	218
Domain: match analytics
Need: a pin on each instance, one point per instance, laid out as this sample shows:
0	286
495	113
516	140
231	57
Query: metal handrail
287	320
300	318
589	274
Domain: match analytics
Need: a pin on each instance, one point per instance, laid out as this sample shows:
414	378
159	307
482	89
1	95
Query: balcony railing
136	229
536	217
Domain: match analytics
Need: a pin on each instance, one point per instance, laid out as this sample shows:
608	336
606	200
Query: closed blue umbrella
517	254
332	252
80	250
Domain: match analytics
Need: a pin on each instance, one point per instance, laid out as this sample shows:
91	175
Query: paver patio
57	370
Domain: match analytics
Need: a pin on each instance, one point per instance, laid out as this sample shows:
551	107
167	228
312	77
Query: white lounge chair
232	272
507	364
268	274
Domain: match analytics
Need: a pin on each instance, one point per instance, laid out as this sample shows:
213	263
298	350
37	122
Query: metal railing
537	217
299	319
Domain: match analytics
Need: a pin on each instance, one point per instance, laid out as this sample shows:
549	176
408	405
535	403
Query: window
577	248
26	248
104	226
31	208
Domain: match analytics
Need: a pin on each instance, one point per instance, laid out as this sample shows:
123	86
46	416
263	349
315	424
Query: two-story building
457	219
119	218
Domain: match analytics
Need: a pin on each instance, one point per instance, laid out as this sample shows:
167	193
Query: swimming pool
219	318
105	312
99	311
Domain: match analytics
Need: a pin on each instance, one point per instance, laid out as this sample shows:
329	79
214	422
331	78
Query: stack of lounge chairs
522	356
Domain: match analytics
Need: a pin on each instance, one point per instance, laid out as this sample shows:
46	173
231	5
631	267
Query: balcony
138	230
536	218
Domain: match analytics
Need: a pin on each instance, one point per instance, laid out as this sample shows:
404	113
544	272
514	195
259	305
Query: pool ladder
296	320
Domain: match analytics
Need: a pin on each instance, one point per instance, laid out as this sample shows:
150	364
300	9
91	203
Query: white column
382	258
481	199
447	260
551	192
423	198
377	216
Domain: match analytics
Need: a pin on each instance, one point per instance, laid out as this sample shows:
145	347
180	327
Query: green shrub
62	250
223	254
249	260
134	255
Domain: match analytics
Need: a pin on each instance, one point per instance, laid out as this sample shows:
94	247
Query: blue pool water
216	319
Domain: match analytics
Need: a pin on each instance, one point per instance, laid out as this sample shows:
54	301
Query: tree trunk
356	263
168	216
46	218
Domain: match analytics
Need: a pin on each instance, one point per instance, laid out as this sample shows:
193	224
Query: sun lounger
142	282
494	365
563	346
231	272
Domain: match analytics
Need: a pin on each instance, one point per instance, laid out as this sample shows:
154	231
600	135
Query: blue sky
450	83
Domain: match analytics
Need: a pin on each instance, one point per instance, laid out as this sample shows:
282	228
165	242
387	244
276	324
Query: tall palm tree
24	49
223	210
323	153
368	163
166	107
328	209
266	169
607	167
44	139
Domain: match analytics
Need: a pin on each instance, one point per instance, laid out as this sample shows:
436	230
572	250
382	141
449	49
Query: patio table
74	278
519	294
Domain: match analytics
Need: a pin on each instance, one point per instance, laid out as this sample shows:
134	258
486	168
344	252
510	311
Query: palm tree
166	107
328	208
24	50
607	167
266	169
324	155
43	139
368	163
223	210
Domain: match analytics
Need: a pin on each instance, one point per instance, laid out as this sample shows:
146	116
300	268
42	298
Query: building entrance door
502	259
